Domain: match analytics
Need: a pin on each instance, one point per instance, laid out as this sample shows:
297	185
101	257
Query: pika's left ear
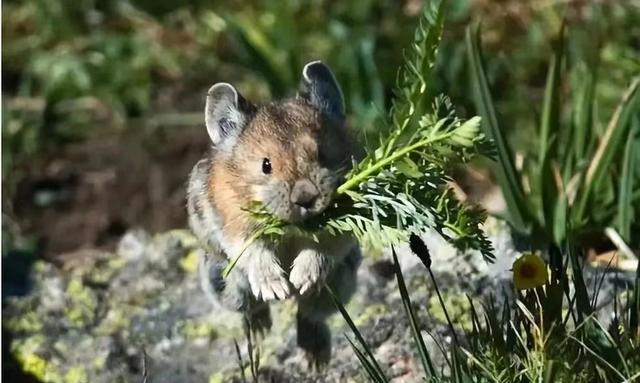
320	88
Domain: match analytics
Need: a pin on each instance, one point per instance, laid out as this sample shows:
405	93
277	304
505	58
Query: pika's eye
266	166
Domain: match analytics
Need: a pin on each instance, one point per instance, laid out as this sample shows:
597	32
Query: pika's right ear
226	112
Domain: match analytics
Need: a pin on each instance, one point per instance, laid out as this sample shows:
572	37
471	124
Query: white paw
268	280
309	270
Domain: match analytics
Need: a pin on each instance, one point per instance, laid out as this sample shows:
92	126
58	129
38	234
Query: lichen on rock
94	322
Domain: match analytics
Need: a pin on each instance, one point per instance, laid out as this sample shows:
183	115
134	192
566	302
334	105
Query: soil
88	194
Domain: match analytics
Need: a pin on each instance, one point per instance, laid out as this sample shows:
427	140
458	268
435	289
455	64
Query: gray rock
94	323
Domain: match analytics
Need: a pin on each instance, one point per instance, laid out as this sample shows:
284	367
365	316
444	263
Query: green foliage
74	71
549	334
400	187
72	68
274	39
529	339
506	173
574	174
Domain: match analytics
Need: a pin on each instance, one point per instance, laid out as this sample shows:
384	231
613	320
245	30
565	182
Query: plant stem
360	177
249	242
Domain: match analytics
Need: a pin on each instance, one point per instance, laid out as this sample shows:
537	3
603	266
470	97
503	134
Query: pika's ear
320	88
226	112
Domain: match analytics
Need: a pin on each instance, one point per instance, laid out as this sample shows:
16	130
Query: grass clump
529	338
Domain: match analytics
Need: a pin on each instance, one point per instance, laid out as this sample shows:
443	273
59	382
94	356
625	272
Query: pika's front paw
267	280
309	270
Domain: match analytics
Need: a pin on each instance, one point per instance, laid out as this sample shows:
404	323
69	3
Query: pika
289	156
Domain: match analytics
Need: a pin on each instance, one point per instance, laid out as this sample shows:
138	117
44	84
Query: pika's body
290	156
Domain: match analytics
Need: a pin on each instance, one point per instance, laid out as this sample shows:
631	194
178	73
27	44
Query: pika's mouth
295	210
305	213
300	214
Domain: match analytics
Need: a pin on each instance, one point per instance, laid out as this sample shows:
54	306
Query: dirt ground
88	194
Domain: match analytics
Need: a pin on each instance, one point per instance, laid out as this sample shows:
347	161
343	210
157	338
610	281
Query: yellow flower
529	271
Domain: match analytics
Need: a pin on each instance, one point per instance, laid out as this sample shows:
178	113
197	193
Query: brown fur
306	143
280	132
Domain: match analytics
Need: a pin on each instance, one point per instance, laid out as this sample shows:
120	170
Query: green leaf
583	111
365	363
549	192
625	212
410	101
581	295
366	353
409	168
550	372
550	121
554	200
550	182
634	307
505	169
612	142
560	219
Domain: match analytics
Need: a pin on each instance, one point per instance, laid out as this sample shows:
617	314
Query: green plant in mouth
400	186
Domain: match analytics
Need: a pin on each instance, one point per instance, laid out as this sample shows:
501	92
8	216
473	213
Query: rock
133	244
95	322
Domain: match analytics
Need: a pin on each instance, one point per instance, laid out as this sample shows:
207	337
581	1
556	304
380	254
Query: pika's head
290	155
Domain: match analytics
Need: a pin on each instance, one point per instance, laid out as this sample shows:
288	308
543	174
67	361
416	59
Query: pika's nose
304	193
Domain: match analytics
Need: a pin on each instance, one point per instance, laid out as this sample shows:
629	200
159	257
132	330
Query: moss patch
76	375
82	303
457	306
368	313
29	322
192	330
189	263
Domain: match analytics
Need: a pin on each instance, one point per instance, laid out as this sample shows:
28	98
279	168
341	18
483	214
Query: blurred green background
102	100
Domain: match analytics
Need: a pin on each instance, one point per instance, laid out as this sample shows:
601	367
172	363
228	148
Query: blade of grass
550	121
625	211
583	111
597	357
457	365
419	248
413	321
617	347
599	282
365	363
240	362
549	184
582	296
610	144
494	324
635	307
550	372
480	365
554	200
475	322
438	344
632	378
505	169
356	333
